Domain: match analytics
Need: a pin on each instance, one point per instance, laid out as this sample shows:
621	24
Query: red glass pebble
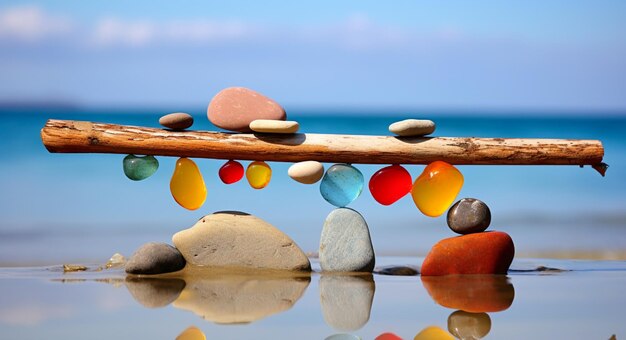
390	184
231	172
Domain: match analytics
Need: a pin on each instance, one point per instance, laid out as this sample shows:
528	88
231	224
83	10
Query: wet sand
541	299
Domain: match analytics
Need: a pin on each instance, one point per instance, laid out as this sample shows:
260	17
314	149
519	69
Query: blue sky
514	55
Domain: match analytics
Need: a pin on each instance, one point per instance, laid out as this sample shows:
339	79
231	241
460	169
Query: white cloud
33	314
355	32
113	31
31	23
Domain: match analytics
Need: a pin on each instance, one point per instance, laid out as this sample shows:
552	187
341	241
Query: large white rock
239	240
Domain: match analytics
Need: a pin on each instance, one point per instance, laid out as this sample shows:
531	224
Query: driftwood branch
87	137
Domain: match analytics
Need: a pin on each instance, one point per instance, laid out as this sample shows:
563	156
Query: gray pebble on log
176	121
412	127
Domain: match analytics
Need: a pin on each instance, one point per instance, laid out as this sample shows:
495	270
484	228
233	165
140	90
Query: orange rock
471	293
481	253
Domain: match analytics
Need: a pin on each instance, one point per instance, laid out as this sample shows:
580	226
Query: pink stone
235	108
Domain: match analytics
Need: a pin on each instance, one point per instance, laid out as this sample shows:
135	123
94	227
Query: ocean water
80	207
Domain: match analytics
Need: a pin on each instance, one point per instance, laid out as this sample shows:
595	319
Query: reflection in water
471	293
433	333
469	326
224	298
154	292
191	333
388	336
232	298
346	300
342	337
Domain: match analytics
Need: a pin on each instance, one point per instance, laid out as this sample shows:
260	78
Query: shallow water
539	299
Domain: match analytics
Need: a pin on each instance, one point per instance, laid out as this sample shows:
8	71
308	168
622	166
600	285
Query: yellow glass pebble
436	188
187	185
258	174
191	333
433	333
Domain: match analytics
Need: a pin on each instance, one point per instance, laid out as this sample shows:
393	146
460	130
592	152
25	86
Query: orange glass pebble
258	174
436	188
187	185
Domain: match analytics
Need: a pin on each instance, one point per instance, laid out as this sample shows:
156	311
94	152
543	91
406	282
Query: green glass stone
139	168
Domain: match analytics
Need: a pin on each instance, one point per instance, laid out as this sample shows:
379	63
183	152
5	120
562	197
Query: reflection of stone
154	292
191	333
433	333
469	326
346	300
342	337
232	298
471	293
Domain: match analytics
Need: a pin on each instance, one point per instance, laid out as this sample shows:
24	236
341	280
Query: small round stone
469	216
396	271
466	325
176	121
274	126
155	258
412	127
307	172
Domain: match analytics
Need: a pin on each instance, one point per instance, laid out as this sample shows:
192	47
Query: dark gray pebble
469	216
396	271
177	121
155	258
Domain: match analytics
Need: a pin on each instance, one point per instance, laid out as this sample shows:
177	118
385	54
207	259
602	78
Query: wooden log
86	137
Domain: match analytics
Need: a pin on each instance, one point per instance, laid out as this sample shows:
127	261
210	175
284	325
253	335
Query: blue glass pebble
341	184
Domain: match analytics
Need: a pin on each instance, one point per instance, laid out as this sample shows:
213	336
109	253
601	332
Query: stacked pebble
476	251
345	243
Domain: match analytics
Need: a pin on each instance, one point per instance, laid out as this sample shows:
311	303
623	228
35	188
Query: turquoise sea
80	207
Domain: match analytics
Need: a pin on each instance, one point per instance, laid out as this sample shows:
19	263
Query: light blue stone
341	184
